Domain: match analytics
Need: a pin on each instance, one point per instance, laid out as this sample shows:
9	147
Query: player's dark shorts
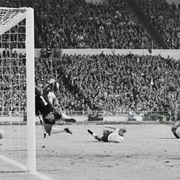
105	135
47	121
52	117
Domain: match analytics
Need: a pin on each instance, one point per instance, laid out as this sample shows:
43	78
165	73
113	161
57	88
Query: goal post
30	65
9	19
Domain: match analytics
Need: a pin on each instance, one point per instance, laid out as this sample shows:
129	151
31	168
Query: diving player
48	114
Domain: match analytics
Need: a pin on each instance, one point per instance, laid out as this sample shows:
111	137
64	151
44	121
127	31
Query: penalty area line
24	168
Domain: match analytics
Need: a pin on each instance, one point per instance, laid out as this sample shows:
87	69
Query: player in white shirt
110	134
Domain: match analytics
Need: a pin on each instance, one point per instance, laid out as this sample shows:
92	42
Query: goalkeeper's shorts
52	117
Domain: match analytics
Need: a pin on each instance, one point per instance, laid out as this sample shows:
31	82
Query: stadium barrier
115	116
175	53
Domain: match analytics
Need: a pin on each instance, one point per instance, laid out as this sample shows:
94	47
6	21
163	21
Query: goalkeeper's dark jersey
43	106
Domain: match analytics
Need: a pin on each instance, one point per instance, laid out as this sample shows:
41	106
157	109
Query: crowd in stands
95	82
123	82
14	38
165	18
77	24
80	24
13	83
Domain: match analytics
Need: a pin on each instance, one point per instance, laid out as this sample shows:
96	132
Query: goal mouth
17	97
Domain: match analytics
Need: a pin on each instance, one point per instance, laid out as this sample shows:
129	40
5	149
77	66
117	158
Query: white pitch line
10	161
24	168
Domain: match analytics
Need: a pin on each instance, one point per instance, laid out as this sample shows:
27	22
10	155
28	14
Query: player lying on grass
49	113
176	129
110	134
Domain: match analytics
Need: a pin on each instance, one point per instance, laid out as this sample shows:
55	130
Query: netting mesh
14	38
13	71
8	15
12	89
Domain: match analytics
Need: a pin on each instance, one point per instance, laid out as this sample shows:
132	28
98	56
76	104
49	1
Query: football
1	134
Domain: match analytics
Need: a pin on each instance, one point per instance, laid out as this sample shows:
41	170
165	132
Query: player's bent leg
68	130
72	120
55	130
67	118
42	123
176	129
62	116
48	128
94	135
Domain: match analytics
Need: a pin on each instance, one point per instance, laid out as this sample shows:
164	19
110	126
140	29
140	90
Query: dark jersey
43	106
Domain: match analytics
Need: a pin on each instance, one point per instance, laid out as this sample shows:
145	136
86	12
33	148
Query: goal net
17	147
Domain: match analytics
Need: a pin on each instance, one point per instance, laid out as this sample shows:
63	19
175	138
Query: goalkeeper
110	134
48	113
175	129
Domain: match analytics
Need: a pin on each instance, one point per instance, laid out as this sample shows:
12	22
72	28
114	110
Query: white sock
56	131
94	134
64	116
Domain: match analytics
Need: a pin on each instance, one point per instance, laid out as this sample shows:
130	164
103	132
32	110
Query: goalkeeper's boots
68	130
72	120
46	134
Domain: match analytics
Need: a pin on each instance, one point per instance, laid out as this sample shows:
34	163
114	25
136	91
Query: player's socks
90	132
94	134
67	118
68	131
